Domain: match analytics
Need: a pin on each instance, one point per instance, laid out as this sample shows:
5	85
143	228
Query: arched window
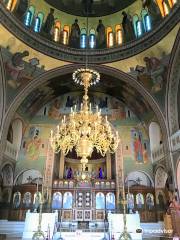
92	38
29	16
57	200
67	200
38	22
100	201
165	8
57	30
146	20
83	38
139	28
135	20
65	35
11	4
110	37
119	34
110	201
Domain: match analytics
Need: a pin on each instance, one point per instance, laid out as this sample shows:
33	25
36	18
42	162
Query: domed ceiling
95	8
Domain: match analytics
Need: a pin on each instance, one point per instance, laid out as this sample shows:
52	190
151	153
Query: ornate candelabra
85	130
39	234
124	235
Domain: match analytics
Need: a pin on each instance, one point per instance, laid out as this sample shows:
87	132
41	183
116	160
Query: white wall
17	133
154	135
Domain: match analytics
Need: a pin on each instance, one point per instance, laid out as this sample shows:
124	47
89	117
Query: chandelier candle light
85	130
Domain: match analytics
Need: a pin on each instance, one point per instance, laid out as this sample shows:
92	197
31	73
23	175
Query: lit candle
58	128
75	107
90	107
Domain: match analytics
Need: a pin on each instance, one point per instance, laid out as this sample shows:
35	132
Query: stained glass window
11	4
29	16
110	37
65	35
83	38
119	35
57	29
38	22
146	19
92	39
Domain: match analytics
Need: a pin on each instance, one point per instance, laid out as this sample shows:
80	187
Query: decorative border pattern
66	53
172	87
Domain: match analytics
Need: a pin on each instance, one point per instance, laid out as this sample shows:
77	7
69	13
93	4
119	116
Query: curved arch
145	173
2	93
173	80
22	172
111	72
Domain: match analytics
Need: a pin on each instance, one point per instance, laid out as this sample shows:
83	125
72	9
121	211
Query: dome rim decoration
95	56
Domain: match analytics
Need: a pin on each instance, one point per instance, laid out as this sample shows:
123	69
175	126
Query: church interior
90	119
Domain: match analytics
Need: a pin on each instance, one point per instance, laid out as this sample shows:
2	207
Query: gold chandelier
85	130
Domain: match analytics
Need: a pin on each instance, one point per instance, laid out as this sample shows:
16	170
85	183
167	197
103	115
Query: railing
11	151
158	153
175	141
95	183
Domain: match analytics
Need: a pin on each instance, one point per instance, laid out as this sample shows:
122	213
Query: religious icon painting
110	201
67	200
100	201
130	201
150	201
140	200
16	200
67	214
27	200
57	200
